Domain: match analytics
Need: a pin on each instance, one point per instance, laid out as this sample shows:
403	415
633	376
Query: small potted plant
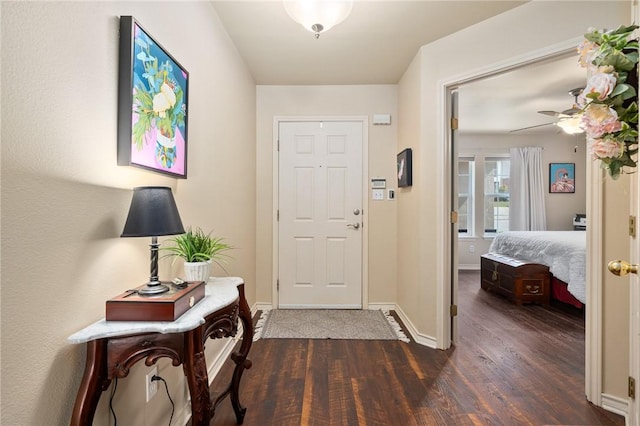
199	251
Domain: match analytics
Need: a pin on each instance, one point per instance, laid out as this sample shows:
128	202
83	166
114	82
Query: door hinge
632	388
454	217
453	310
454	123
632	226
278	145
278	215
278	284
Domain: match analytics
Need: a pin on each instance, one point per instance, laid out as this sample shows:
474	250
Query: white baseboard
382	306
468	267
419	338
615	404
263	306
182	415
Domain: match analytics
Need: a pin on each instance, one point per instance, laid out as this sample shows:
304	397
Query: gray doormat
328	324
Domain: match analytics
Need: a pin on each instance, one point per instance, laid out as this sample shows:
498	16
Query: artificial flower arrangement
609	101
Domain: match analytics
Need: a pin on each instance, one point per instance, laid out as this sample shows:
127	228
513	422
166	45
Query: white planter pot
197	271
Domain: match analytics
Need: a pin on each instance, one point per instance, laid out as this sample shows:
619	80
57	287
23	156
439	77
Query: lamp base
151	289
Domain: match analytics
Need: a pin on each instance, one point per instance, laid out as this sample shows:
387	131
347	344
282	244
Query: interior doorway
592	325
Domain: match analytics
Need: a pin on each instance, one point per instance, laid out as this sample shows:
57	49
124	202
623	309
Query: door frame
633	409
364	120
593	323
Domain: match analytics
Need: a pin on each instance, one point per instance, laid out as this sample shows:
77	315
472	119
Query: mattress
564	252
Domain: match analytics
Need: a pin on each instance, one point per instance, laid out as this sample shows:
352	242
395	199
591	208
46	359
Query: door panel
320	186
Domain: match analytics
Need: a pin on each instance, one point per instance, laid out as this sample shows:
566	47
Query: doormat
328	324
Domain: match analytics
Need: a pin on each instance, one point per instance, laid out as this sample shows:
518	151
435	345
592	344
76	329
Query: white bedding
564	252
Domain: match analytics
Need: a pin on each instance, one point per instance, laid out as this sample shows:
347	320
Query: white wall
530	27
560	208
64	199
364	100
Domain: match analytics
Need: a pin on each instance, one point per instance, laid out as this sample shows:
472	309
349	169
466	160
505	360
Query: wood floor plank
512	365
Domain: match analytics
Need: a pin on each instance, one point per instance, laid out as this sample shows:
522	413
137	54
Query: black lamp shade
153	212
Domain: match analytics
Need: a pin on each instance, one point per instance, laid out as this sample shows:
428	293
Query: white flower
164	100
601	83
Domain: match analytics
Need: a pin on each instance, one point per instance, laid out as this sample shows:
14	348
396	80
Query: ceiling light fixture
318	16
570	125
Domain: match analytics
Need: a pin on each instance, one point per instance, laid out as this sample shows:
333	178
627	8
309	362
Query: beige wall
334	101
64	199
474	48
560	208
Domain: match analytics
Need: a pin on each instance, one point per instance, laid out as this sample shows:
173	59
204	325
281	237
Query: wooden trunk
520	281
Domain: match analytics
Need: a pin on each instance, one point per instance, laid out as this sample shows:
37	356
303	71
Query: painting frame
404	168
153	98
562	178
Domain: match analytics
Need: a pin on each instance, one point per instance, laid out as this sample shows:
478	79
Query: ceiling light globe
318	16
570	125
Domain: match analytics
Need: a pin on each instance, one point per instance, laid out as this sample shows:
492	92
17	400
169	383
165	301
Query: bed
564	252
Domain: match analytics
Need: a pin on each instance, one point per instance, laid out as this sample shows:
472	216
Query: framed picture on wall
562	178
152	104
404	168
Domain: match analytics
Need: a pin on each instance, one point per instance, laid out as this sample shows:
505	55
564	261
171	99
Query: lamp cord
113	392
166	387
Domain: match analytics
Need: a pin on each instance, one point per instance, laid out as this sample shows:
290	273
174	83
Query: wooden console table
114	346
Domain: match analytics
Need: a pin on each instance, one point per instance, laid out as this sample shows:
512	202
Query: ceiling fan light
571	126
318	15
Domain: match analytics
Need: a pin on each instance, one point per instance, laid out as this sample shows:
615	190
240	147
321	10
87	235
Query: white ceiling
377	42
511	101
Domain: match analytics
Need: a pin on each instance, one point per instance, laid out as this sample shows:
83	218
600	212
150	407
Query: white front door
320	214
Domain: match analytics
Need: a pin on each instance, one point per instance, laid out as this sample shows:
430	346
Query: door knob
353	225
356	212
621	268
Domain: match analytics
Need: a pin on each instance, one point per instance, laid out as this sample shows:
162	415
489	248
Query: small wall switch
472	248
377	194
391	194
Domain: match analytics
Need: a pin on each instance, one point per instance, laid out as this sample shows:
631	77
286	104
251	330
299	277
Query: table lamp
153	213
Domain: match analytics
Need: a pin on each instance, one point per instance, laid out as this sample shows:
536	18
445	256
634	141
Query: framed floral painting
562	178
152	104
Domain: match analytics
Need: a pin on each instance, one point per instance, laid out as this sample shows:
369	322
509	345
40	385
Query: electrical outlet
151	386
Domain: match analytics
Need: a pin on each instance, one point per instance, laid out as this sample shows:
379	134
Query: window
466	171
496	194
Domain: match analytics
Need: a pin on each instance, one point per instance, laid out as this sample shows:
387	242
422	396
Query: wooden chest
520	281
169	306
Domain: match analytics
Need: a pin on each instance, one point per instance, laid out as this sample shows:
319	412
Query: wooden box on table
520	281
168	306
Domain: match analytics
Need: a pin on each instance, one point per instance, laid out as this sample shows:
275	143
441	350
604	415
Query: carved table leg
240	357
94	381
195	369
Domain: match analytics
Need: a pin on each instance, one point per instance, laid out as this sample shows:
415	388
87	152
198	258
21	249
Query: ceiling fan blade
551	113
571	111
531	127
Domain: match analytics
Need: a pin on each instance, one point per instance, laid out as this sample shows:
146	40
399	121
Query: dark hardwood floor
513	365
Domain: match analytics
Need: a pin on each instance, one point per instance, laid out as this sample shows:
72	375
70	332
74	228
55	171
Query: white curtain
526	189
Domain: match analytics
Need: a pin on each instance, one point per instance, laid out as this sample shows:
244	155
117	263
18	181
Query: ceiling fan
568	120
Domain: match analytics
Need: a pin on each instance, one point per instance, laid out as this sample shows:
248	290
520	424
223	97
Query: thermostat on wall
378	183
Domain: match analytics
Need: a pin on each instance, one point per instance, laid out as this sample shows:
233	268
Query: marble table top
219	292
